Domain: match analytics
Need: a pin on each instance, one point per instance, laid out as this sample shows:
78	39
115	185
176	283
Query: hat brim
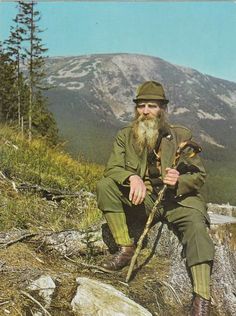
164	101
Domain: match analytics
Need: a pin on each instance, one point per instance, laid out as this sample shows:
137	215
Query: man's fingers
131	194
137	190
171	177
138	196
170	180
143	195
172	171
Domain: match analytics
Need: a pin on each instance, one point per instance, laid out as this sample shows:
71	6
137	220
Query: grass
37	163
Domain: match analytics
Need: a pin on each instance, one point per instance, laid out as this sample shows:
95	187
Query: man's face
149	109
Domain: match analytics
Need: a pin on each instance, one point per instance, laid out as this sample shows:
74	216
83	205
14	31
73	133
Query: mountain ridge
93	96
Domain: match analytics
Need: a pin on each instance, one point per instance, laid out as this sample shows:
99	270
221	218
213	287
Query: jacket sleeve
192	174
115	168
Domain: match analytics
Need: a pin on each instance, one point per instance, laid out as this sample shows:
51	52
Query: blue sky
199	35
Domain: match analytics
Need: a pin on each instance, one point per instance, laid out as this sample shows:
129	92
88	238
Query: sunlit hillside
42	186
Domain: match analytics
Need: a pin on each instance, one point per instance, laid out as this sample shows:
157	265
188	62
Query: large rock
45	287
96	298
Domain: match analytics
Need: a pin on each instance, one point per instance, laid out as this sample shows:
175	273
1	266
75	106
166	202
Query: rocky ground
26	261
39	274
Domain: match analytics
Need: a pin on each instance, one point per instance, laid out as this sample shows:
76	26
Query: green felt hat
151	90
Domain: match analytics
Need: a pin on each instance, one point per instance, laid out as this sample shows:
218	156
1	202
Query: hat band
151	97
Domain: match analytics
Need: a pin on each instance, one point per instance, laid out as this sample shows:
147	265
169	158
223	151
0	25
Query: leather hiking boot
121	259
200	306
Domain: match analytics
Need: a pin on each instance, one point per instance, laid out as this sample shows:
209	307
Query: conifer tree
22	73
14	46
34	50
8	95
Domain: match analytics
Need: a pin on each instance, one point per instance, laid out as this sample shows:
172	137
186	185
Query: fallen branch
89	266
51	193
36	302
11	242
48	193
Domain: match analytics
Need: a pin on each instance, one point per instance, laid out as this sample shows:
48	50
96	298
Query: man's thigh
113	197
190	225
183	217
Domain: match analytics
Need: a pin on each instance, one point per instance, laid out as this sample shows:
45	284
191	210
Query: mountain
92	98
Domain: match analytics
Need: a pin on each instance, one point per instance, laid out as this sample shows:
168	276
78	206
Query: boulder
96	298
45	287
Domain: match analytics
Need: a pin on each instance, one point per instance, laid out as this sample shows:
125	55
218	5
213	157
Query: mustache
143	117
160	118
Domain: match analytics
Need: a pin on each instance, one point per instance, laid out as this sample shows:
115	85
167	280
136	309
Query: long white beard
145	133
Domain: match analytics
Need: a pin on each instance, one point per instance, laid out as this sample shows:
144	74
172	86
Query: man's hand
137	190
171	177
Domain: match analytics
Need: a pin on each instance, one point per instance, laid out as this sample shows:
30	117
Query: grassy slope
36	163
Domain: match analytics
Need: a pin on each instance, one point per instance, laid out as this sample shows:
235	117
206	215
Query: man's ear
164	107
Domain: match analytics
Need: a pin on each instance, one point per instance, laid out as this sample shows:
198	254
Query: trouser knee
108	196
198	244
102	186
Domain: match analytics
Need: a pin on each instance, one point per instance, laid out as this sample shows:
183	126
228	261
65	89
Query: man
139	165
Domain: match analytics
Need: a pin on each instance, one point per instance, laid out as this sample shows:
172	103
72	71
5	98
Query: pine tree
14	46
43	121
8	95
21	74
34	53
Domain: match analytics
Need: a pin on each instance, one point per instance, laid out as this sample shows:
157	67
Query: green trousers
189	223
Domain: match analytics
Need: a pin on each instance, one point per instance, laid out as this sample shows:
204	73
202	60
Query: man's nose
146	110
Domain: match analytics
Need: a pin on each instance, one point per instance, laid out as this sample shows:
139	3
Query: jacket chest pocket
131	165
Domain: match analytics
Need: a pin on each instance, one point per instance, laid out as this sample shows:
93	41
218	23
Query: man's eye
152	106
140	106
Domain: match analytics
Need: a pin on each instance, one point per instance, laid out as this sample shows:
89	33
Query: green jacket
124	162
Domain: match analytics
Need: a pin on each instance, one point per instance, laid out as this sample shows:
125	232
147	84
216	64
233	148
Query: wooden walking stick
196	149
